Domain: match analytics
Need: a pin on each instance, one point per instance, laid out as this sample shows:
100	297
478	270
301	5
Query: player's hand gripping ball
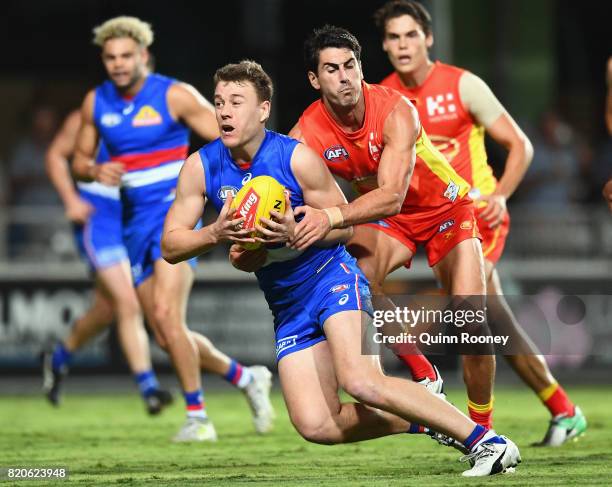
255	200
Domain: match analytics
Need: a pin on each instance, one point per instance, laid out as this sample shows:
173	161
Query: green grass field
108	440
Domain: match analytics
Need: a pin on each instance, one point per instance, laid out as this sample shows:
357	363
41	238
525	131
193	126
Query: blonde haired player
143	119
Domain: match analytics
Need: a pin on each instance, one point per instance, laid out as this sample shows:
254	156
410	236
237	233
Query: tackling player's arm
320	191
394	173
84	166
482	104
180	241
58	169
188	105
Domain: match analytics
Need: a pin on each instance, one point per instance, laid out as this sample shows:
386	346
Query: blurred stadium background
545	60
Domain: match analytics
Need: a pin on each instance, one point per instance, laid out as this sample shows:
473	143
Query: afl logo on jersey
225	191
336	153
146	117
111	119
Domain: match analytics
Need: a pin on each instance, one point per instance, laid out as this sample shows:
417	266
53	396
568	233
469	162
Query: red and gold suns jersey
450	126
355	156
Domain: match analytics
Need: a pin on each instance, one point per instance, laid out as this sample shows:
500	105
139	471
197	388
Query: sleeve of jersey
479	100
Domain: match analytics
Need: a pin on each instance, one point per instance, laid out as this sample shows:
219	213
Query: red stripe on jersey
195	407
134	162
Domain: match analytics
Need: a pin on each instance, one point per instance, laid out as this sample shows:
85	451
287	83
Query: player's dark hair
247	70
328	36
397	8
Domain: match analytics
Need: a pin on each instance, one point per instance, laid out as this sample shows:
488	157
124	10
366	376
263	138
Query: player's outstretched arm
58	169
84	166
187	104
482	104
394	173
180	241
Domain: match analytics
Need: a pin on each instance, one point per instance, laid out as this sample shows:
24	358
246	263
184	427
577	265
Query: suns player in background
396	210
143	119
95	212
318	330
456	109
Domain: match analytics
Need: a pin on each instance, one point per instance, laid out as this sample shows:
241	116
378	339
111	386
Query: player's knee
315	429
363	387
105	311
128	307
164	315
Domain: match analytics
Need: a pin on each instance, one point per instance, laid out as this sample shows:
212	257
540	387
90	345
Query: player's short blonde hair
124	26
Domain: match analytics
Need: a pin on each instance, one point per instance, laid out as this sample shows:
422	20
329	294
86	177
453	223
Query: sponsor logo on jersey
336	153
440	104
339	288
446	225
466	225
111	119
247	177
225	191
146	117
448	146
285	343
452	190
343	299
448	235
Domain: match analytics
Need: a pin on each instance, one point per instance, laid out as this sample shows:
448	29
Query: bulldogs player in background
95	212
143	119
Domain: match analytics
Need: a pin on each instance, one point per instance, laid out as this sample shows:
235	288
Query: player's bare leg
117	282
254	381
55	362
310	388
163	297
361	377
568	420
462	273
97	318
164	300
379	254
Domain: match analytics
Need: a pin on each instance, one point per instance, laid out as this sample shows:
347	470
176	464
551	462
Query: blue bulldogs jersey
303	289
141	133
100	240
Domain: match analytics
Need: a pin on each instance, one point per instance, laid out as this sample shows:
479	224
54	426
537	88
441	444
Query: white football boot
257	393
491	458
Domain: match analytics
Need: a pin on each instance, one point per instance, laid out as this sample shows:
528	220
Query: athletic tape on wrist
335	216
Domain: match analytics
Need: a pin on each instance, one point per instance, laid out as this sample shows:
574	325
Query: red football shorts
493	239
437	231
